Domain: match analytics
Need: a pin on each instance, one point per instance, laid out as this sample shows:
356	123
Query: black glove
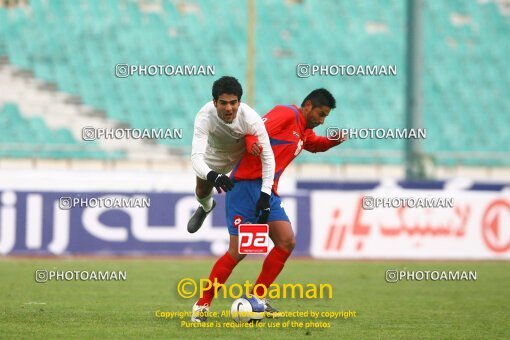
220	181
263	208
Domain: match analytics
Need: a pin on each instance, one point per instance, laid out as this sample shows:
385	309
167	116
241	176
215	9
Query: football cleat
269	310
199	313
198	218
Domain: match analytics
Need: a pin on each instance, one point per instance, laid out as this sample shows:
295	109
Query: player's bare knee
235	254
291	244
287	244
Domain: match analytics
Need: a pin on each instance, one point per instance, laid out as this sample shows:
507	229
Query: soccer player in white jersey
218	144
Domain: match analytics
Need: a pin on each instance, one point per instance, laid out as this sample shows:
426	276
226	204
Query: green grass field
88	309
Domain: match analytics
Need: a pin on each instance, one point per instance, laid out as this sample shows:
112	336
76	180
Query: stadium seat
22	137
77	46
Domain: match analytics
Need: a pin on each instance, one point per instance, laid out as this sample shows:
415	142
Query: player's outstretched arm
316	143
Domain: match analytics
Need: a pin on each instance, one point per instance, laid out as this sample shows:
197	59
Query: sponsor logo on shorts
253	238
237	220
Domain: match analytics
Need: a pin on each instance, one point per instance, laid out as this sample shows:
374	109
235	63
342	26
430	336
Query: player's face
315	116
227	106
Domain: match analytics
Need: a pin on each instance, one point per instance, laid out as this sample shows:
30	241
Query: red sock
273	265
220	271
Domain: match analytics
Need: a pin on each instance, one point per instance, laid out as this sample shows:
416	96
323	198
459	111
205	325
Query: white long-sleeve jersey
219	146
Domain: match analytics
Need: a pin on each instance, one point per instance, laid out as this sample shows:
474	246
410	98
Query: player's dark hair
228	85
320	97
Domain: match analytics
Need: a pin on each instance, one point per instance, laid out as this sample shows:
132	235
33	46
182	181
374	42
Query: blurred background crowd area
57	62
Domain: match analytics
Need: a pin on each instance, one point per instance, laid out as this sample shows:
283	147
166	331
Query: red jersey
286	127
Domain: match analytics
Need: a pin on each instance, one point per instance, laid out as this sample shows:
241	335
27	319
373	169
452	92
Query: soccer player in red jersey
290	130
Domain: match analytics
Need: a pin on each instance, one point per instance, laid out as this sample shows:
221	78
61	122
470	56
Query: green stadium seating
77	44
30	137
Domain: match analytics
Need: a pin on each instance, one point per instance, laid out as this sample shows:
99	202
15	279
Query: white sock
205	202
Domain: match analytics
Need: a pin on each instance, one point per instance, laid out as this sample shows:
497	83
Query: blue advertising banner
39	223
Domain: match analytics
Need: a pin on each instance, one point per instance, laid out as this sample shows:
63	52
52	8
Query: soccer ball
247	310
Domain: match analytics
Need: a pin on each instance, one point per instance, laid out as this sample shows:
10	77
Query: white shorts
221	162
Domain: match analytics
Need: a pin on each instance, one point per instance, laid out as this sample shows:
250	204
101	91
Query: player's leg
222	270
203	193
233	249
282	235
225	264
204	188
219	273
